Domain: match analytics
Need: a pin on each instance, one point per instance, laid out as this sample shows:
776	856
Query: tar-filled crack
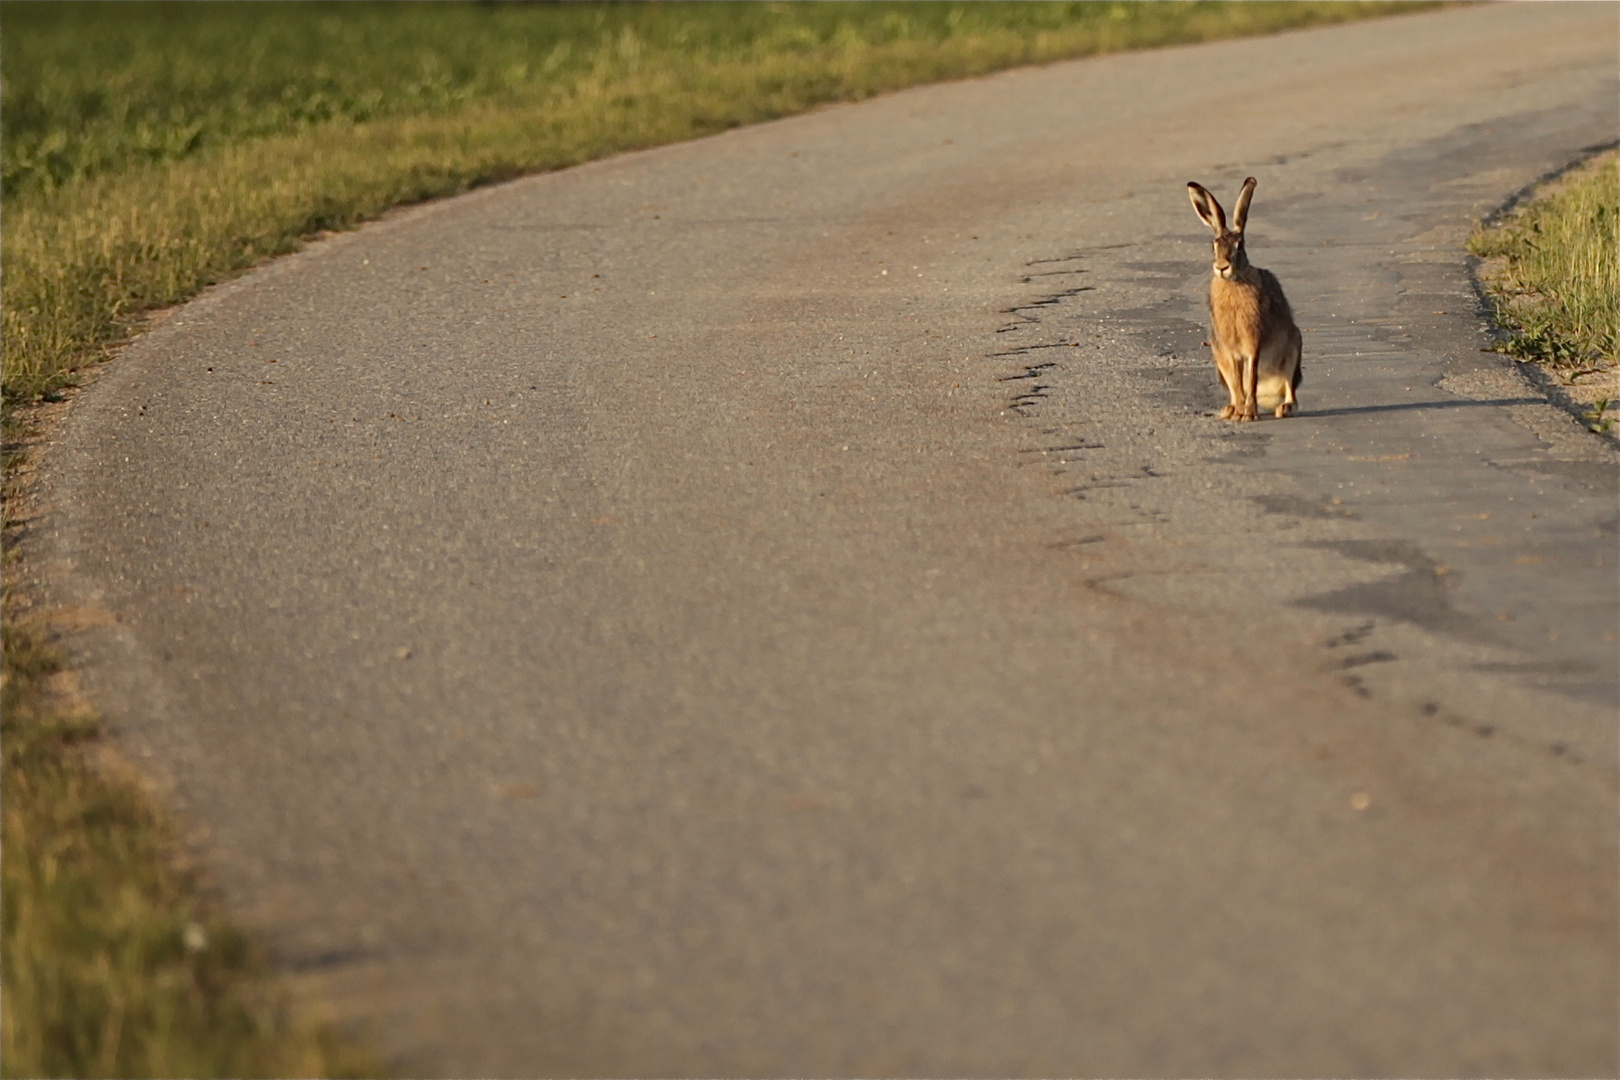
1030	370
1558	749
1028	400
1079	490
1061	449
1036	392
1027	278
1377	656
1356	635
1350	637
1036	377
1017	311
1079	541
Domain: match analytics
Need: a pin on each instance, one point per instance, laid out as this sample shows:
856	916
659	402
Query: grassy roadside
150	150
1553	275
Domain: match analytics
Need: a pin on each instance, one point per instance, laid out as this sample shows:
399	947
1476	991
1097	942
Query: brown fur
1257	347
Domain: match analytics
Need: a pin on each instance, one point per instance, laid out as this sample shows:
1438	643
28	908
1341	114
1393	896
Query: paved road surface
780	604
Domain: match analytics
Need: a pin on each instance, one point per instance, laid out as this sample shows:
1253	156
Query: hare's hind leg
1292	369
1286	405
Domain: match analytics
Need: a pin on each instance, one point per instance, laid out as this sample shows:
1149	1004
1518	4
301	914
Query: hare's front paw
1246	413
1229	412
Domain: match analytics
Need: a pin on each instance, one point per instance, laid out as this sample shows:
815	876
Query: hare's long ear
1207	207
1240	212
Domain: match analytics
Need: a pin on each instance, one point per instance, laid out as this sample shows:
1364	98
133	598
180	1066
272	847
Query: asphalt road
781	604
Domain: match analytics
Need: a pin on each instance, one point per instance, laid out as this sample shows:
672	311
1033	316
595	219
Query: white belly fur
1271	391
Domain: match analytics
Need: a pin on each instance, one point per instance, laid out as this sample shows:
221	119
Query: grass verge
1553	275
149	150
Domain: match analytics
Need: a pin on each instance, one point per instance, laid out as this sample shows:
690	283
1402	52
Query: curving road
780	604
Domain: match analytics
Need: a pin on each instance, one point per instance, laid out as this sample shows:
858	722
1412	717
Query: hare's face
1230	258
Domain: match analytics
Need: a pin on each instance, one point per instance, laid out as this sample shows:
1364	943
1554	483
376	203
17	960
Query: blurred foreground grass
151	149
112	964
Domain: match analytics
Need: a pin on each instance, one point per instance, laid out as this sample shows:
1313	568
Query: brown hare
1256	344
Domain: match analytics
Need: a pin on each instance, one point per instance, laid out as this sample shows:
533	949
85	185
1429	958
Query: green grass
149	150
1554	276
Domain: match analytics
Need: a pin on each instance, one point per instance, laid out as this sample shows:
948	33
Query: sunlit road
780	604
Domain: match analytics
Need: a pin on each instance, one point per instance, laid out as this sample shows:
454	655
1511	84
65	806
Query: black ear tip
1250	180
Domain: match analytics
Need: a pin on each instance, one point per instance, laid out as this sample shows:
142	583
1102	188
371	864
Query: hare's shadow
1406	406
